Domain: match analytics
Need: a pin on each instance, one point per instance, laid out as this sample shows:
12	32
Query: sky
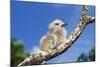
30	20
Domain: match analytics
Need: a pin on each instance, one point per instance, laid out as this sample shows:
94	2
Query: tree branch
41	57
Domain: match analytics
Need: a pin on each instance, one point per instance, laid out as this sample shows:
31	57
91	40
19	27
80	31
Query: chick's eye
56	23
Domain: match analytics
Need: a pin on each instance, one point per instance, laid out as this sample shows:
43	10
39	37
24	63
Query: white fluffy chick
55	37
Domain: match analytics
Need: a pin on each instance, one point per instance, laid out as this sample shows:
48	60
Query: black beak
63	25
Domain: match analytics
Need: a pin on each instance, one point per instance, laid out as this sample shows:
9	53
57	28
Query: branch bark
41	57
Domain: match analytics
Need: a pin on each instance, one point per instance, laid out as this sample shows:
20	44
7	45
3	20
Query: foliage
85	58
18	53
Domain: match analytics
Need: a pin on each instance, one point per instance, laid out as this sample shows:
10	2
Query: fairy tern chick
56	36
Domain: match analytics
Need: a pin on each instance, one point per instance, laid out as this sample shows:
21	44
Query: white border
86	2
5	33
